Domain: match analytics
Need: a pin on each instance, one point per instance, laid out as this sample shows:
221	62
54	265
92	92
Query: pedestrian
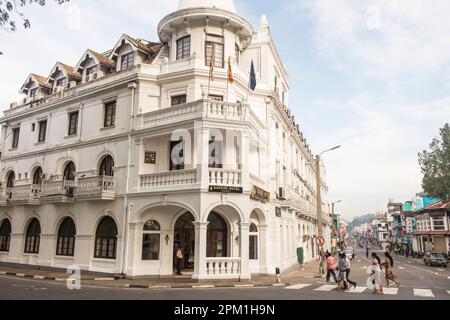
375	276
180	258
331	267
389	266
343	272
349	266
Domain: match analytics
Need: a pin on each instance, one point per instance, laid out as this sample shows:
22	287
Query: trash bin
300	256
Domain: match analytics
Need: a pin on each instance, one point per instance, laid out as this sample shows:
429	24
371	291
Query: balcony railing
200	109
101	186
179	177
224	177
21	194
59	188
223	267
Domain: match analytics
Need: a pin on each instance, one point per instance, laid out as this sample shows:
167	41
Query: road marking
440	270
401	268
426	293
357	290
298	286
326	288
448	291
390	291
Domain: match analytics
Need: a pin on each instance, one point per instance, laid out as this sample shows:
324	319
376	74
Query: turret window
214	44
183	47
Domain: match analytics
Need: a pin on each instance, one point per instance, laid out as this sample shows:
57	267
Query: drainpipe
127	205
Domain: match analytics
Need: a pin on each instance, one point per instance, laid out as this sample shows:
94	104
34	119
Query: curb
143	286
30	276
204	286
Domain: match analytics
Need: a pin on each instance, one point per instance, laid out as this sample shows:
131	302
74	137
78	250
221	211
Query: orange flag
230	71
212	62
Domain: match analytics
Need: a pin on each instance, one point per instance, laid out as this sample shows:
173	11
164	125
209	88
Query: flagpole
228	78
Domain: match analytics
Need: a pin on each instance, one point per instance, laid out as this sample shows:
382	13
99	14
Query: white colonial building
114	163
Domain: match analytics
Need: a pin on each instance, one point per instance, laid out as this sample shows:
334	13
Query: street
418	282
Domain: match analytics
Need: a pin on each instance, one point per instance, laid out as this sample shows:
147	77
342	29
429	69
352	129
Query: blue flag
252	77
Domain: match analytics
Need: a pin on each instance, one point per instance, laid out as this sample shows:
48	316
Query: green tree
10	13
435	166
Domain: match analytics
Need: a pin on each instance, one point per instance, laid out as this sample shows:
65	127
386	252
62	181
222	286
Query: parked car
435	259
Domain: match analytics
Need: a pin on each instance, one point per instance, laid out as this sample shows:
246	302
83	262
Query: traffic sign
320	241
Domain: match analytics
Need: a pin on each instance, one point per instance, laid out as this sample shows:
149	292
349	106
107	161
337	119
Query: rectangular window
73	123
127	61
438	224
177	100
16	134
214	44
61	82
150	247
176	155
183	47
110	114
91	73
33	127
42	131
215	153
4	242
34	93
253	249
237	53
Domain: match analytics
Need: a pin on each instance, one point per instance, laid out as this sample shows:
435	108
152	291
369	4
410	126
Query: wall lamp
167	239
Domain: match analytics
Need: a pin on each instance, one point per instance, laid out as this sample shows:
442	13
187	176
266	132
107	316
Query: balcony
61	191
225	178
97	188
167	180
223	268
20	195
200	110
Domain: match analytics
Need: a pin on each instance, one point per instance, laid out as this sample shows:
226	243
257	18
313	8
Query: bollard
278	273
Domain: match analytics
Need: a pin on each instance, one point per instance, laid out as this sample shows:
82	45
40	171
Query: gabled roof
68	70
40	80
100	59
151	48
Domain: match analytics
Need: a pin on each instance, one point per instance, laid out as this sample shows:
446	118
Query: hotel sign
260	194
224	189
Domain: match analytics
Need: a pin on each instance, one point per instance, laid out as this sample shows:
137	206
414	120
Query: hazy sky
373	76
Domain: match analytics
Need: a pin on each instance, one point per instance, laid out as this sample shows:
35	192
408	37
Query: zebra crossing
419	293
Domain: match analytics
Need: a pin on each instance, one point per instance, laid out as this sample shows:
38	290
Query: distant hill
361	220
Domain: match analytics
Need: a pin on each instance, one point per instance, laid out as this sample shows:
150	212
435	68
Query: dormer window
61	82
127	61
91	73
34	93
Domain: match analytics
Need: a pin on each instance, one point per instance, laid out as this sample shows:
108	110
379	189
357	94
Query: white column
203	157
245	160
244	243
201	229
133	251
263	245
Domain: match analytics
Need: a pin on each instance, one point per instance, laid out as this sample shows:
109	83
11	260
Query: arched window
38	176
11	180
5	235
253	242
106	239
69	172
107	167
33	237
217	237
151	240
66	238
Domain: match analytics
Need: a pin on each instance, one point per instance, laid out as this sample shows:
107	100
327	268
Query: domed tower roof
219	4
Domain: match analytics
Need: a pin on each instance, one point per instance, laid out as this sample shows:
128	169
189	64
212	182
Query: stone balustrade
223	268
225	177
179	177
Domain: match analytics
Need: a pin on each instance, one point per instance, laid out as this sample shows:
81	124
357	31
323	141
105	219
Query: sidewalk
309	272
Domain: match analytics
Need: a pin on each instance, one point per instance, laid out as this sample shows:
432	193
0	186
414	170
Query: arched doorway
184	238
217	237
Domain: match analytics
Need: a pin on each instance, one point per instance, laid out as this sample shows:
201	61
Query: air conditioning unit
95	76
282	194
13	105
58	89
72	84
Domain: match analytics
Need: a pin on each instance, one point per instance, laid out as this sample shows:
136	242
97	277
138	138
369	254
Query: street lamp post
319	202
333	213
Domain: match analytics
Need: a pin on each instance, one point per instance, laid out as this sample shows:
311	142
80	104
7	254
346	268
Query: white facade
130	148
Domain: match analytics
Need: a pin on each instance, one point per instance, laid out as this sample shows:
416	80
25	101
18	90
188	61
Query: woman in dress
376	273
389	266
